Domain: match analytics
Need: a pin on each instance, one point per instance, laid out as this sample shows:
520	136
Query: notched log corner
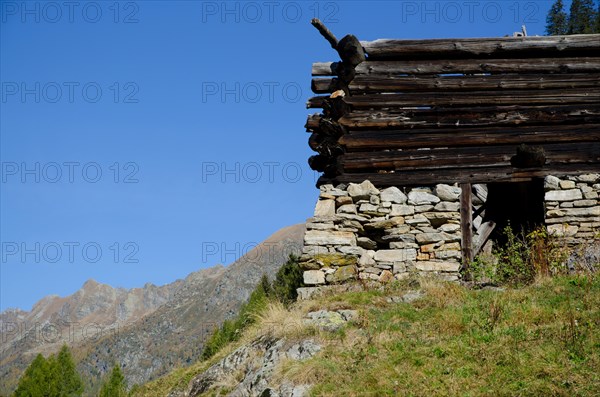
336	108
350	50
318	162
528	157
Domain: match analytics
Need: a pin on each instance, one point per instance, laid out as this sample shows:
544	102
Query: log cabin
517	115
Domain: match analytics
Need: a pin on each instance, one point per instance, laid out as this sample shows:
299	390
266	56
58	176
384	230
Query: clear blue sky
192	112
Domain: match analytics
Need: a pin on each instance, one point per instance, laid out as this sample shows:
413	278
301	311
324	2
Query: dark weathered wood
326	33
312	122
429	138
483	234
474	98
528	156
461	175
315	140
317	102
460	118
323	86
333	108
478	211
318	162
466	227
373	84
323	69
465	157
585	64
504	46
456	110
350	50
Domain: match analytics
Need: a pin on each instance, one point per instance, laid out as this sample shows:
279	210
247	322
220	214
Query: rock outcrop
255	362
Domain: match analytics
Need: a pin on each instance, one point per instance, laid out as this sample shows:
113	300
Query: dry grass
441	294
280	322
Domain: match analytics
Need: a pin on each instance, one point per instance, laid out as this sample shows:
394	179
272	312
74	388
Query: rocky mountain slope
94	310
147	330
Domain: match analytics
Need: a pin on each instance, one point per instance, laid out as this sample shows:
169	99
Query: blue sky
144	140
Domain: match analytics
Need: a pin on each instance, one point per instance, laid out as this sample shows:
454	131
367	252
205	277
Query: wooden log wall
408	112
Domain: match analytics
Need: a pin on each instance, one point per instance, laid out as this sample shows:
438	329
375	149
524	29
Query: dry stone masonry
572	207
359	231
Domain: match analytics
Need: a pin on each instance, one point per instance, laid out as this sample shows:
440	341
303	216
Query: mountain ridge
150	327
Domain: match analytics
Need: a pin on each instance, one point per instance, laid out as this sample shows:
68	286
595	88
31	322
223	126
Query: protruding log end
326	33
314	141
318	162
350	50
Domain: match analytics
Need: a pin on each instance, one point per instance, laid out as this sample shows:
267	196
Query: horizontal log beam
585	64
459	118
464	117
503	46
323	69
476	175
428	138
374	84
466	157
473	98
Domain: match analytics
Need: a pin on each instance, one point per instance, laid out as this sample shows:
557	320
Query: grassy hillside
543	339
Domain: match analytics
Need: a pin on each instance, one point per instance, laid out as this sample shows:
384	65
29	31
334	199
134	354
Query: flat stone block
563	195
431	266
324	237
314	277
396	255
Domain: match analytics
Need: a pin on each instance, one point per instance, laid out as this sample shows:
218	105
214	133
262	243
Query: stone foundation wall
361	232
573	208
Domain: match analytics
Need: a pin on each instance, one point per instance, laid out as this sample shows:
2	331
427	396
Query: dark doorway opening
518	204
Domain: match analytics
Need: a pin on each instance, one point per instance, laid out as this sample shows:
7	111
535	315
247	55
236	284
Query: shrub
521	258
287	280
515	260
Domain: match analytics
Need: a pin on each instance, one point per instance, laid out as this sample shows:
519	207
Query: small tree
37	380
115	385
68	382
287	280
557	20
52	377
598	19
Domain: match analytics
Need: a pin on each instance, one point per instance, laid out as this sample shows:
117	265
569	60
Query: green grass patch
543	339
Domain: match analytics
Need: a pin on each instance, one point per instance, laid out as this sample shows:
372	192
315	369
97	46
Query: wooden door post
466	227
